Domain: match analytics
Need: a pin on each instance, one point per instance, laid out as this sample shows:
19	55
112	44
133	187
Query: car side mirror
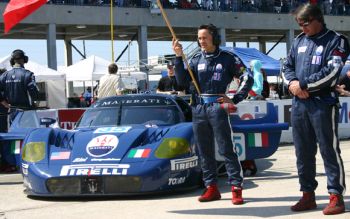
47	121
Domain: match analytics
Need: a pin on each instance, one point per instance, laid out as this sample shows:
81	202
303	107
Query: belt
208	98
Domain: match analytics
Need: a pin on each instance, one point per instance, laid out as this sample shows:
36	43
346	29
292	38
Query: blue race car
125	145
131	144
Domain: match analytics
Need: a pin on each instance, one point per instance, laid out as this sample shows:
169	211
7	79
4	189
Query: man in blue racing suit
18	85
311	70
17	90
213	69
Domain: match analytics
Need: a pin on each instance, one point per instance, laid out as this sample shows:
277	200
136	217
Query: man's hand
5	104
294	88
177	47
224	99
227	104
341	90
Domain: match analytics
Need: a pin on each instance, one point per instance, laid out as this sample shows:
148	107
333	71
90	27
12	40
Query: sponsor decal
217	76
105	159
16	146
136	102
139	153
183	164
258	139
61	155
25	168
218	67
69	117
176	181
316	60
201	67
102	145
302	49
121	129
238	140
319	50
94	169
80	159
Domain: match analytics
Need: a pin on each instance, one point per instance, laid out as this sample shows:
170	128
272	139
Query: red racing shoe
237	195
307	202
211	193
335	206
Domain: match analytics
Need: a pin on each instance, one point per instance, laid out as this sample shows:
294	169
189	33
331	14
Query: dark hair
213	30
113	68
17	55
2	70
309	11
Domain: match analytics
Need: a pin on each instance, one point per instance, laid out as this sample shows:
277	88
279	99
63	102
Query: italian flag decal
258	139
16	147
139	153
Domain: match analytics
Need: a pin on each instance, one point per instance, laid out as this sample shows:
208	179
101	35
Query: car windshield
114	116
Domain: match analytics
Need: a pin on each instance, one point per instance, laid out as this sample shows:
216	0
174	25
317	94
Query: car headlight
172	147
33	151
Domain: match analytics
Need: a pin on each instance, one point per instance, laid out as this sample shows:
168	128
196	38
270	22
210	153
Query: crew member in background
18	90
4	165
343	86
168	84
86	97
255	92
213	69
108	85
17	86
311	71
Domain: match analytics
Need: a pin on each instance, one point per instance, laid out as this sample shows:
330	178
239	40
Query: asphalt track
268	195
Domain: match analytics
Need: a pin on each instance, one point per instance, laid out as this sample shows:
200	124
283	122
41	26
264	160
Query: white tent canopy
93	68
55	81
89	69
41	73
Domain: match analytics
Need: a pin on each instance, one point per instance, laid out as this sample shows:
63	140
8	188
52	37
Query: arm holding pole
175	39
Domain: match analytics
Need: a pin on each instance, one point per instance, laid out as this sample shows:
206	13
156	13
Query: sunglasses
305	24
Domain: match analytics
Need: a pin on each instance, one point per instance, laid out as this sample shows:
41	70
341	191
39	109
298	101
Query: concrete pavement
269	194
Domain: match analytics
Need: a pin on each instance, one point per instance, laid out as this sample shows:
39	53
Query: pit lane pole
174	37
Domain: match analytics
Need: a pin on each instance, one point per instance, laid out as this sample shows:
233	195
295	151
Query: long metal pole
112	31
174	37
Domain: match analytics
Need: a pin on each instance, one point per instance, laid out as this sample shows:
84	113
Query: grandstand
90	20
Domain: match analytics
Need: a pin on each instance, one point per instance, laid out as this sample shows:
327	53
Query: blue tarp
270	65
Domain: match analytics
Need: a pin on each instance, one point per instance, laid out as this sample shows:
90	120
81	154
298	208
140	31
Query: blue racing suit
214	72
18	88
315	61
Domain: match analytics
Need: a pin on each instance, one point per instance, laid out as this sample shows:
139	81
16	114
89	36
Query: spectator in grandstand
194	4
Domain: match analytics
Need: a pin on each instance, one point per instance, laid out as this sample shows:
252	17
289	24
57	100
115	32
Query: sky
36	50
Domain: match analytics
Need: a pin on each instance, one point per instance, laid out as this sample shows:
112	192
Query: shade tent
271	66
89	69
55	81
41	72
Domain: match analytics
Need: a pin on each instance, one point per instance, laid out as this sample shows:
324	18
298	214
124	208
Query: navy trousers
210	122
315	121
